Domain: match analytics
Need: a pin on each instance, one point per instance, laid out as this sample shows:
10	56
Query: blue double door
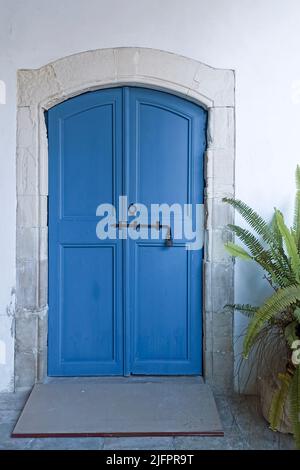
123	306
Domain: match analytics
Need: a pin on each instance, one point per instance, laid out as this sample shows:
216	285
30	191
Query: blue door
131	305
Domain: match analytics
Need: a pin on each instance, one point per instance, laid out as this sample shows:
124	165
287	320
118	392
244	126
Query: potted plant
276	248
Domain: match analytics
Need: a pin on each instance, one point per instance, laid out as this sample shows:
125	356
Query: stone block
43	243
43	329
27	284
27	211
85	69
32	211
218	286
27	333
43	283
218	84
41	374
219	213
168	67
220	130
220	167
127	61
25	370
27	181
36	86
214	245
223	372
27	243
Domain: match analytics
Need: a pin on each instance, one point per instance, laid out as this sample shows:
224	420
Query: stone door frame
39	90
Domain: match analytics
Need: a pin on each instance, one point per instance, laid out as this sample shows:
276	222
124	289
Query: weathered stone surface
25	370
43	284
88	443
27	284
220	167
28	240
222	372
85	69
31	211
138	443
35	86
43	243
27	211
26	333
42	329
222	331
7	443
168	67
220	131
217	84
219	213
219	292
214	242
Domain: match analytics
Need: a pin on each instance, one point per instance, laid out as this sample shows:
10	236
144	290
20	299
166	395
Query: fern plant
276	248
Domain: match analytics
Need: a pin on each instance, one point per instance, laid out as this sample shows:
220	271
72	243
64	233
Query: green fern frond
295	406
296	225
296	314
245	309
279	400
290	333
280	273
261	228
253	219
290	245
236	250
274	305
276	231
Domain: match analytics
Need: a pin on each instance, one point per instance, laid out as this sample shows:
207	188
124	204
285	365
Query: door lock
157	226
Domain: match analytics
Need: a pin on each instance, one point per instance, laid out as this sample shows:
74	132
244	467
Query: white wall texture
259	39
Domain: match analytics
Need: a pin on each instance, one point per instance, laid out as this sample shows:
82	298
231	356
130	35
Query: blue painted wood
123	307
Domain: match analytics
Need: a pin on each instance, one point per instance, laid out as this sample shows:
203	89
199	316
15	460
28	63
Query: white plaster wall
260	39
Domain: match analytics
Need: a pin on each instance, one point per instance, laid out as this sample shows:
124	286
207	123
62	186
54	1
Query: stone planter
267	387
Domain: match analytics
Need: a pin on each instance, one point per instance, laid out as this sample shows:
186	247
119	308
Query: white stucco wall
259	39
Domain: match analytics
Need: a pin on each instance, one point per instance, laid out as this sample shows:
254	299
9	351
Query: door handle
157	225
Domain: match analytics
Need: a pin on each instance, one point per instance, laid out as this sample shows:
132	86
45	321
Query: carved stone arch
39	90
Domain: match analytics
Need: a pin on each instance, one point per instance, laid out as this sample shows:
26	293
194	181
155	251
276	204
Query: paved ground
244	429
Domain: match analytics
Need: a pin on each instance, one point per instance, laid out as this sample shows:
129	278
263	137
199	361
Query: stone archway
39	90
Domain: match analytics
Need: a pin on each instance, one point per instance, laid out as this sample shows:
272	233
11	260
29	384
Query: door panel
87	161
165	165
161	323
85	273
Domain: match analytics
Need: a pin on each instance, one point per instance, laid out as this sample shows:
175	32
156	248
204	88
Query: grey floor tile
139	443
210	443
64	443
13	401
8	443
9	416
